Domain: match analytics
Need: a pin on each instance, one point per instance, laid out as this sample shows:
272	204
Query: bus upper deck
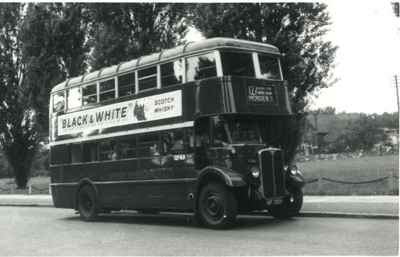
218	75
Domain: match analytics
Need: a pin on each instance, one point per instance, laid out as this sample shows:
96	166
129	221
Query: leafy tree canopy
297	29
124	31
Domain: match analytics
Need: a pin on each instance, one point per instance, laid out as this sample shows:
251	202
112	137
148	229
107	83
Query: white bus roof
182	50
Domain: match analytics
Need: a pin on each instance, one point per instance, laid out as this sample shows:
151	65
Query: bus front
246	139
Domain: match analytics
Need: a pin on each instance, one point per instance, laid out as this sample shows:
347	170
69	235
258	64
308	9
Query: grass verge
353	170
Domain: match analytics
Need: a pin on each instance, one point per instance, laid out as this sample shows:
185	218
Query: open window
59	101
201	66
171	73
89	94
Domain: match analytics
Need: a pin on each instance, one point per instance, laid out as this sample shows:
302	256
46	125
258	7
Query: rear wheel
290	207
87	203
217	207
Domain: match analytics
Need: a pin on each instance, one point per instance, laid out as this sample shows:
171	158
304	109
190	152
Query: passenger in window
154	150
220	140
178	145
116	152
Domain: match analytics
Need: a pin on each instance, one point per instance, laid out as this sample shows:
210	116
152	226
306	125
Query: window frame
183	63
107	91
64	92
218	64
131	86
257	64
239	51
67	97
96	94
155	75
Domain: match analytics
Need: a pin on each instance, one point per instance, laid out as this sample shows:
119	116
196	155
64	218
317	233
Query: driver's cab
227	140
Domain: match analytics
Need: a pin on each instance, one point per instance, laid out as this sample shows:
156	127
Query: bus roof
182	50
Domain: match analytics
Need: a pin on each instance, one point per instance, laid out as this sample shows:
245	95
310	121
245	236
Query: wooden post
320	184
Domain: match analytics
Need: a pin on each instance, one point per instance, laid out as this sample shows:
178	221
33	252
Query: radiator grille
273	176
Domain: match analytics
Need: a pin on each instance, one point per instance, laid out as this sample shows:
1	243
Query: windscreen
236	130
245	131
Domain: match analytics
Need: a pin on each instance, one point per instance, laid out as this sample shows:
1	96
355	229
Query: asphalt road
50	231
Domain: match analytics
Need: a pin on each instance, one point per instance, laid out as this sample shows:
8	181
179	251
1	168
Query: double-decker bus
194	128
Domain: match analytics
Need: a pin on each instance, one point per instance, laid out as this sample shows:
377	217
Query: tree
70	34
32	60
123	31
364	132
17	134
297	29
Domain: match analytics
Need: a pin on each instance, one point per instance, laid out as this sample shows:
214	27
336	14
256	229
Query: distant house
323	129
392	136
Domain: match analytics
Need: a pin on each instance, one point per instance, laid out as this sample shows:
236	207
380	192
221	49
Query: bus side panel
162	183
153	182
64	196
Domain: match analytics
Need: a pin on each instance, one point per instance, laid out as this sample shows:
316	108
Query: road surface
50	231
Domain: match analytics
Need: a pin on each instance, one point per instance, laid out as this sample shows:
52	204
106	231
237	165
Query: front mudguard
296	181
224	175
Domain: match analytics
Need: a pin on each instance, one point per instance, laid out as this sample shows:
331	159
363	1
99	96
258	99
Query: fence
31	189
321	188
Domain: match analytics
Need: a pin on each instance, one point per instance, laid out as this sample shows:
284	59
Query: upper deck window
126	84
59	101
107	90
89	94
200	67
74	98
237	64
269	67
147	78
171	73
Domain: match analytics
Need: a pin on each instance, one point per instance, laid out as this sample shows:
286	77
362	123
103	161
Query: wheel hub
214	207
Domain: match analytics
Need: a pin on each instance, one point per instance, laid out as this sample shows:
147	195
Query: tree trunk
294	129
20	156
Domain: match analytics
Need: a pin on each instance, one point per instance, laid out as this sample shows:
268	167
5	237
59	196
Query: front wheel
290	207
87	203
217	207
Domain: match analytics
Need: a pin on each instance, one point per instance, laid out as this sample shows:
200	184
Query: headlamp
255	172
294	170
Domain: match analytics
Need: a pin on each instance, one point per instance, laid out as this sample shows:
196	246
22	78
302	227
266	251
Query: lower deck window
180	141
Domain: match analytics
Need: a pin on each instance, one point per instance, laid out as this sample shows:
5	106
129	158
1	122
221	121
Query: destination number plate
260	95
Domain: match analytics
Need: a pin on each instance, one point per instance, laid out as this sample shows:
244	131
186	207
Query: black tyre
290	207
217	206
87	203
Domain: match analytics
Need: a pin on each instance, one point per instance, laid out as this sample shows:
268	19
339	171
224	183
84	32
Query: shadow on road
179	219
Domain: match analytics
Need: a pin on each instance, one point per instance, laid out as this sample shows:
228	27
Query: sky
368	36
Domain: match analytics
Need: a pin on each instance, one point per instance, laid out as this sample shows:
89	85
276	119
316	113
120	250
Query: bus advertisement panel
151	108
